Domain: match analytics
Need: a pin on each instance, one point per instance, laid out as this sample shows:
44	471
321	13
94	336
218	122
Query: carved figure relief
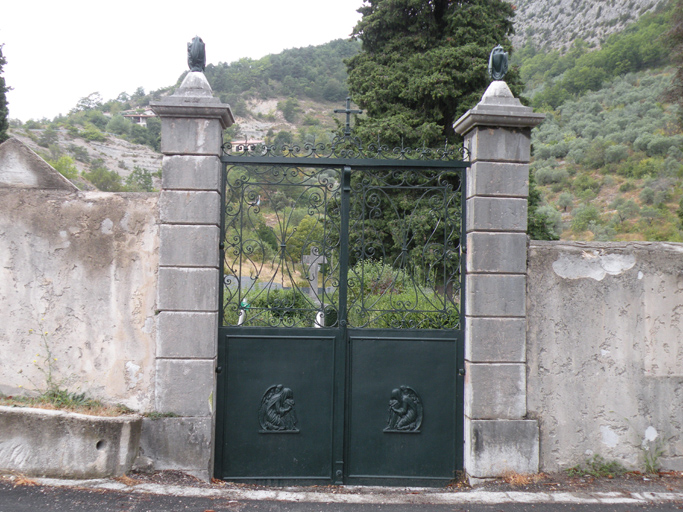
277	413
405	411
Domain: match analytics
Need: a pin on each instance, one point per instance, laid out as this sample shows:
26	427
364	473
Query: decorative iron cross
348	112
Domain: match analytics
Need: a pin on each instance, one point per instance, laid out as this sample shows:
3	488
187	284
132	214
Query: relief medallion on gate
405	411
277	414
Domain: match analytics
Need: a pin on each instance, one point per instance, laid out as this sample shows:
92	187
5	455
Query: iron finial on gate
348	111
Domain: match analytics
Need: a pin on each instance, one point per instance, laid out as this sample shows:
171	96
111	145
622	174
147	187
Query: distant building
138	116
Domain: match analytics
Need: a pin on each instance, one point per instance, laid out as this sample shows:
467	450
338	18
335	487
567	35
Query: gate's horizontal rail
343	162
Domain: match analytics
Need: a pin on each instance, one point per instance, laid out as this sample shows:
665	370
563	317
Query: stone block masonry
498	437
192	121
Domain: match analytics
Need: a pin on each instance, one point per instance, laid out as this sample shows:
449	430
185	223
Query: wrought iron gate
341	345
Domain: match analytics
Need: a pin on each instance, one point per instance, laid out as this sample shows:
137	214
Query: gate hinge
461	372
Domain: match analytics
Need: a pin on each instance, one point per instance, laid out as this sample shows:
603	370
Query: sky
58	52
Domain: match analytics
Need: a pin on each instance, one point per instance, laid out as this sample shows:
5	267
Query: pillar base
496	447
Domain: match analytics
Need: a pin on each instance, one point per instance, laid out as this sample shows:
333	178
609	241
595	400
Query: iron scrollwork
346	147
369	233
277	414
405	411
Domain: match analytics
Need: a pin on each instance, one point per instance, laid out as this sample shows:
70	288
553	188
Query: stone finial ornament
498	63
196	54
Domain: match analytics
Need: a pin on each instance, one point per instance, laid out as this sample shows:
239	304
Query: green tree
49	136
584	215
89	102
566	200
290	109
119	125
154	133
423	64
66	166
103	178
540	225
140	180
300	240
92	133
4	111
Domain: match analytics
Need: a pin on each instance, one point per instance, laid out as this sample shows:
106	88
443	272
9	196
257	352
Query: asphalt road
64	499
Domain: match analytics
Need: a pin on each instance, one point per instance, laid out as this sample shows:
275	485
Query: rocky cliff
557	23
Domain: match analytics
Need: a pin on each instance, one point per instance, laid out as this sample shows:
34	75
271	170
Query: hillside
610	164
608	160
84	156
555	24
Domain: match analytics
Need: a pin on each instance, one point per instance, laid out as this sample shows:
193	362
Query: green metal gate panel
276	400
341	345
402	407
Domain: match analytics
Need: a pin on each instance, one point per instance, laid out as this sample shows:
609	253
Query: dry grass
22	480
522	479
126	480
92	409
267	272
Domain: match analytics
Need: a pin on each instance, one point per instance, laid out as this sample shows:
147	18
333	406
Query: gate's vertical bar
221	372
460	349
341	350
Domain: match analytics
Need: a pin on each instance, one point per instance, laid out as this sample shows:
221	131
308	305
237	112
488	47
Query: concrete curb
49	443
376	495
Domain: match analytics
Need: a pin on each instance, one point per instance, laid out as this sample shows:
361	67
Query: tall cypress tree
423	64
4	112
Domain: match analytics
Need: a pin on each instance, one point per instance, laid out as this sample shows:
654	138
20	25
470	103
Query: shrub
583	216
647	195
274	307
92	133
586	182
547	176
414	309
626	186
382	296
566	200
616	154
659	145
552	219
66	167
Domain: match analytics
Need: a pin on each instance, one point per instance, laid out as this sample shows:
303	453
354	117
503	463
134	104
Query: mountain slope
555	24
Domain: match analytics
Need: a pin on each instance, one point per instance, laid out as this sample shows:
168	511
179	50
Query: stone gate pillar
498	436
192	122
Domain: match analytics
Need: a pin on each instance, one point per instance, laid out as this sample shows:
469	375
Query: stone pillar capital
194	99
498	108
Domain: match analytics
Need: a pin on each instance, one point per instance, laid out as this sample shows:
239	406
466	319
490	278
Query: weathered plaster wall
83	268
605	351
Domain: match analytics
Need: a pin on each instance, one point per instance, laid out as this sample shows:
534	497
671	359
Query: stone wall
605	351
83	268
